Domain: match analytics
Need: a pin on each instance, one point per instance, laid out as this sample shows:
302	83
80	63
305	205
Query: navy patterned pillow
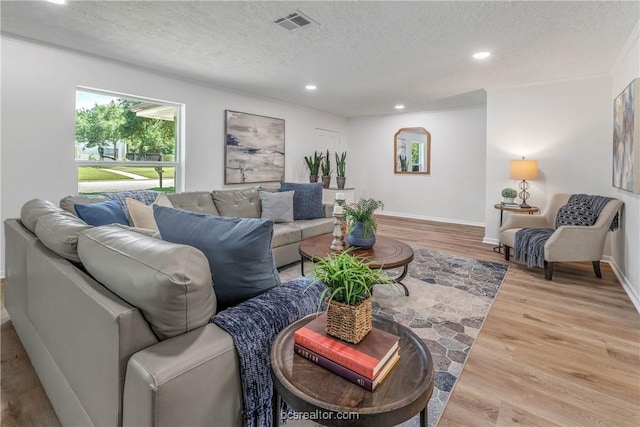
307	199
576	214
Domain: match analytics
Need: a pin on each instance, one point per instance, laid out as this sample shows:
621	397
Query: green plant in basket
363	212
348	278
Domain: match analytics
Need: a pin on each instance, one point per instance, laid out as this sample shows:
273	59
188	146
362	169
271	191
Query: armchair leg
548	270
507	249
596	269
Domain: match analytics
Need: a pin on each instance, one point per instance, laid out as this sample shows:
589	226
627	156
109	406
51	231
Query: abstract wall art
626	138
254	148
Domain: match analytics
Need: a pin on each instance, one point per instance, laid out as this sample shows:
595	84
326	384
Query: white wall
565	126
38	118
453	192
625	255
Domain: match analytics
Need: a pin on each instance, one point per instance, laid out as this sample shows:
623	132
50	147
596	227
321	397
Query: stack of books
366	364
510	205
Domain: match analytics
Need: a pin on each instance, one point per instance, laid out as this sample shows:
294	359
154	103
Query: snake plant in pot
326	170
348	280
313	164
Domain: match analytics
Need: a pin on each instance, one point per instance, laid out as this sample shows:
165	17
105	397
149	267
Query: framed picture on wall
254	148
626	138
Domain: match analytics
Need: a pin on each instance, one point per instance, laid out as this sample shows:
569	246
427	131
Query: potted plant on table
341	163
509	194
326	171
363	226
313	164
348	280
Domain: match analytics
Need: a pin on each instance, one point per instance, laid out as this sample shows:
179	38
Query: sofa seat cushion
313	227
283	235
238	249
34	209
59	231
194	201
241	203
102	213
170	284
307	200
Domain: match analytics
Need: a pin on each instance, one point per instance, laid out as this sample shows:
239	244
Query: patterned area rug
450	297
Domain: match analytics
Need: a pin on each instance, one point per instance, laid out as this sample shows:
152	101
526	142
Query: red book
366	358
345	373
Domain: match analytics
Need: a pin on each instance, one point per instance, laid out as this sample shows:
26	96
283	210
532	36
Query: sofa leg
596	269
548	270
507	250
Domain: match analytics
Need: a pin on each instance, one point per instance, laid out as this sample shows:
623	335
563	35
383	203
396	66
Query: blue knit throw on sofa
253	325
529	242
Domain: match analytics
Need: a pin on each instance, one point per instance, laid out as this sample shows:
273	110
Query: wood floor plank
564	352
551	353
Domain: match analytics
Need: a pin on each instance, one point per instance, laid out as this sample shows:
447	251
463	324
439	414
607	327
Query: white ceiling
364	56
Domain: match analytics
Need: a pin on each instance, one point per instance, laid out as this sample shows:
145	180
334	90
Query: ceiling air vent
294	21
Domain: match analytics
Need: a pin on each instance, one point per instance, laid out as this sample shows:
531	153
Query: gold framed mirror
412	151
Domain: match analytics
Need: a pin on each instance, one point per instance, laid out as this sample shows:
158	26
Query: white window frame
178	161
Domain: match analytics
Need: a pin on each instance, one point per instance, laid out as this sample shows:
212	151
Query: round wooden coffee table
386	253
329	399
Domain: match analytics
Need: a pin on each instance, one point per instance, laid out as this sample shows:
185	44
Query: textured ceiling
364	56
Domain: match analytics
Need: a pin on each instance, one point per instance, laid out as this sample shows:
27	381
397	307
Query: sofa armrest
575	243
189	380
525	221
328	210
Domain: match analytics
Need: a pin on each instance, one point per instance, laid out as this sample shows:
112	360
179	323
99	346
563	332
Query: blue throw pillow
102	213
307	199
238	249
579	213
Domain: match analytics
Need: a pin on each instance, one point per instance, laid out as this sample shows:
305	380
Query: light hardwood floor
565	352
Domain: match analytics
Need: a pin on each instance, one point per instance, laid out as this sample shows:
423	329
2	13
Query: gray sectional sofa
115	320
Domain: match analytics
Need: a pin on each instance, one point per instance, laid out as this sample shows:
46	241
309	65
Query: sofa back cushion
102	213
34	209
241	203
68	203
170	284
238	249
59	231
194	201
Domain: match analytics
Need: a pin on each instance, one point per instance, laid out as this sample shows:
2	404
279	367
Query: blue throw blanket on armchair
529	242
253	325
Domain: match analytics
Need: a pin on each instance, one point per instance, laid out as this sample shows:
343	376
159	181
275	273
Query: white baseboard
430	218
2	274
634	296
491	241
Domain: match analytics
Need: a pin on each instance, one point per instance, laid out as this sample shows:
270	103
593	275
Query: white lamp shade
524	169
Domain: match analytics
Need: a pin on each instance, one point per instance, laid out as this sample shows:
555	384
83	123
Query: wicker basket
350	323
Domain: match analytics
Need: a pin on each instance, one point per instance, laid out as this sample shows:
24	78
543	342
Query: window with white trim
125	143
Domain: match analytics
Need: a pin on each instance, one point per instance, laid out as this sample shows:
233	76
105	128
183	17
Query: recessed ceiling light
57	1
481	55
399	107
311	87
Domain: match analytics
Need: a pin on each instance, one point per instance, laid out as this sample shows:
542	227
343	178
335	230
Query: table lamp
524	170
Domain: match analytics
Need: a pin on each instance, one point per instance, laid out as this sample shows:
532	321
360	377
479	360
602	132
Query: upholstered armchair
567	243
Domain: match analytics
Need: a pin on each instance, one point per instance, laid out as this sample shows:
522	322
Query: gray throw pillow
307	200
278	207
576	214
238	249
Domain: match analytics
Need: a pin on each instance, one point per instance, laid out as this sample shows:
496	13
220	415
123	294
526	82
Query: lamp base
524	205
